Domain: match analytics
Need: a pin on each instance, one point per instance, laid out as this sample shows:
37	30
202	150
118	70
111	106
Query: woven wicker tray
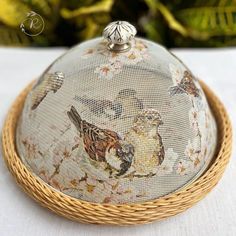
128	214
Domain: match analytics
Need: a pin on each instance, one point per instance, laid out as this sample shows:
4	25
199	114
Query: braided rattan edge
128	214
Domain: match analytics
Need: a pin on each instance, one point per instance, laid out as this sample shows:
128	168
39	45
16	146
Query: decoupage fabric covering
117	127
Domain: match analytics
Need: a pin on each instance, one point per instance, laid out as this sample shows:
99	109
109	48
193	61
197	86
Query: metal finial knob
119	34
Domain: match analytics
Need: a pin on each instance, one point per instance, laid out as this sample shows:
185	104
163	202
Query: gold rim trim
125	214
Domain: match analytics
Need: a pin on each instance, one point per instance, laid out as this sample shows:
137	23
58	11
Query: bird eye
149	117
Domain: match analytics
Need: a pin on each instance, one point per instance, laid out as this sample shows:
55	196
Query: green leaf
101	6
13	37
169	17
206	22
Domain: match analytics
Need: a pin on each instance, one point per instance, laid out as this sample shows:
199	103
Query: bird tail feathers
75	118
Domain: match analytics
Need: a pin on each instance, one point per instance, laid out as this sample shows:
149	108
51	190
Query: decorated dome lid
117	120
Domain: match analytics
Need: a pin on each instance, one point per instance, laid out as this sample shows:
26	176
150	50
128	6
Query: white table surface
214	215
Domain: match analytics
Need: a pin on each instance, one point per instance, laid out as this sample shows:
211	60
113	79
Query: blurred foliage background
176	23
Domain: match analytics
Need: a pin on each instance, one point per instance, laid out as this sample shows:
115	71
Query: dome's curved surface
113	127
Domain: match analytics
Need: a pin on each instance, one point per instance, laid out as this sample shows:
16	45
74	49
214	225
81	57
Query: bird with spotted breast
147	142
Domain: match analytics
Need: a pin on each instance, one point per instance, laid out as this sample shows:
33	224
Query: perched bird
147	142
125	104
50	82
186	85
129	104
98	142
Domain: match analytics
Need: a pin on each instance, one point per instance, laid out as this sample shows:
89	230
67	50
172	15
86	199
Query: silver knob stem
119	34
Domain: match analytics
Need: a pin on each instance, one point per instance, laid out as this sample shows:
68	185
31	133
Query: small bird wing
39	93
173	90
90	102
75	119
37	98
192	89
50	82
96	140
161	154
125	153
55	81
160	151
99	141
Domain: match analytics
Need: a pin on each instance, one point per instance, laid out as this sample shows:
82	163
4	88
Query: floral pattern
200	122
169	163
107	71
116	61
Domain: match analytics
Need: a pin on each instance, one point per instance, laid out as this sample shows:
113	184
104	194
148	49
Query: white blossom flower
199	104
107	71
140	46
193	119
184	167
132	57
61	151
193	148
167	166
88	53
194	152
176	73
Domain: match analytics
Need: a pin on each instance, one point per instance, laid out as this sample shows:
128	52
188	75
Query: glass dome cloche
117	120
